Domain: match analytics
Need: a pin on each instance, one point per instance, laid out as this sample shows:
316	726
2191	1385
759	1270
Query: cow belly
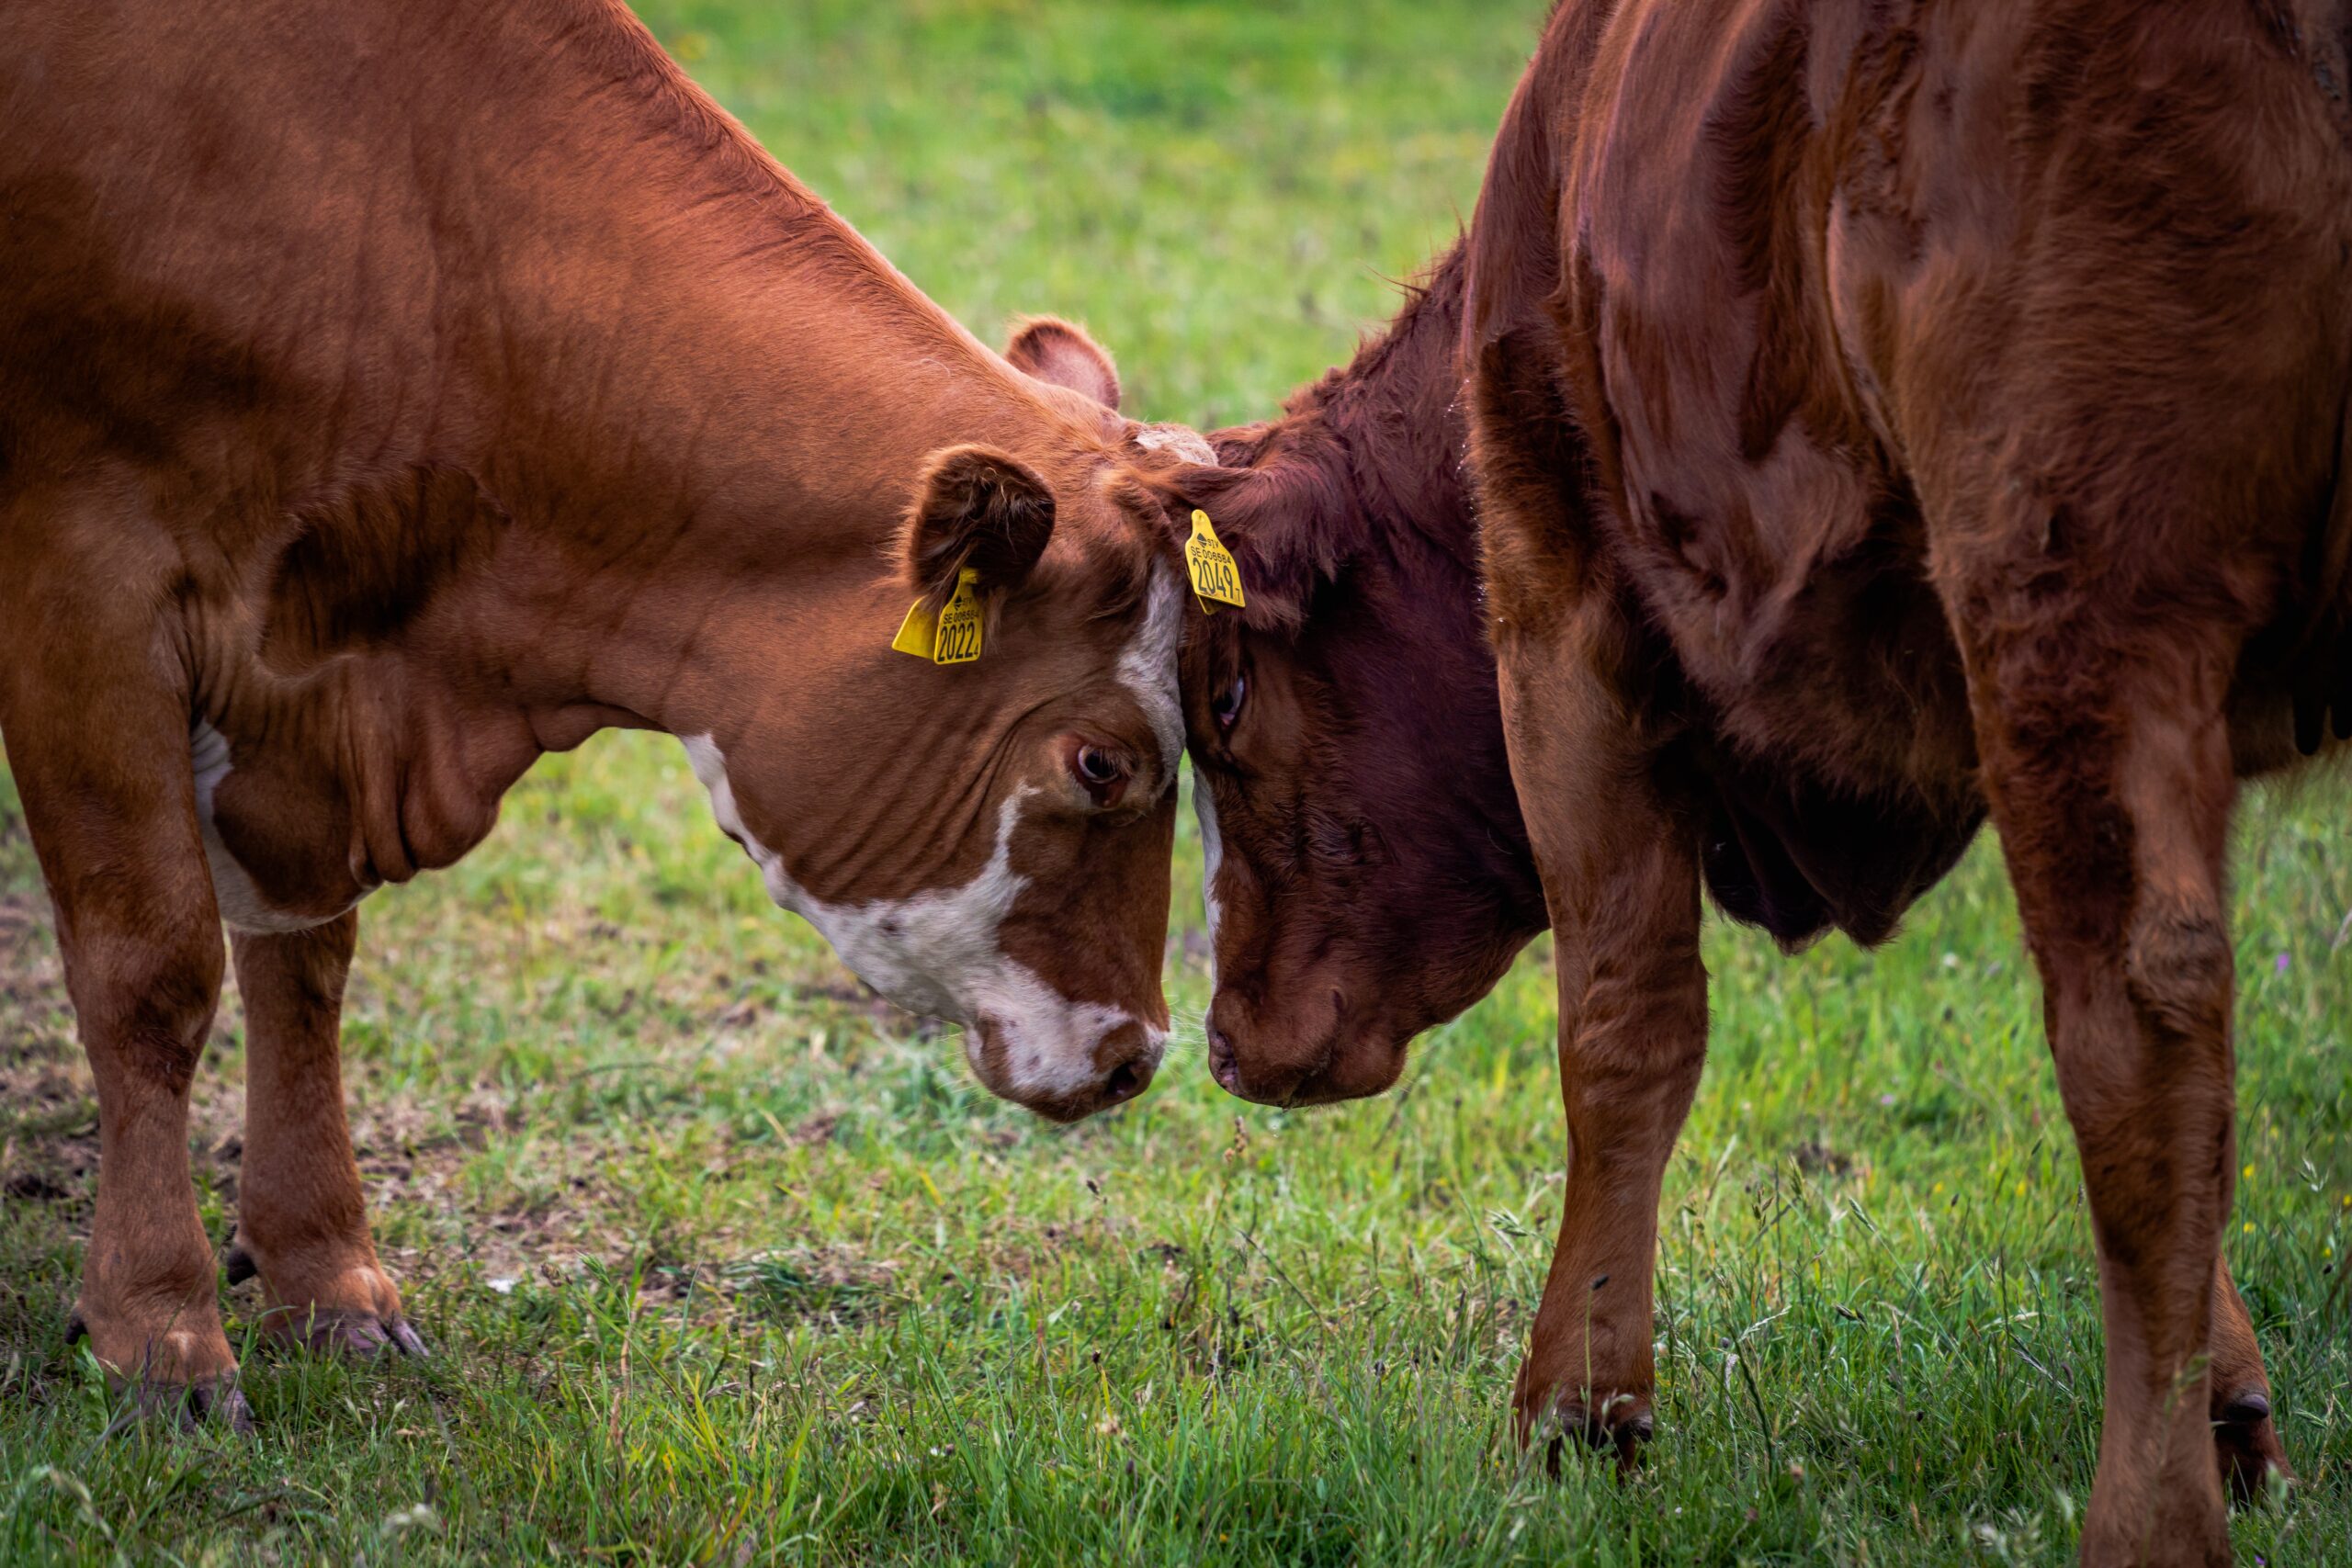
241	903
1796	858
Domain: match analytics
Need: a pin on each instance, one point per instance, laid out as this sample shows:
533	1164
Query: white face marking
241	904
1147	666
1185	442
1212	857
937	952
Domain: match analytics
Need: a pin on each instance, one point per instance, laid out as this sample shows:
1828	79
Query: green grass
724	1264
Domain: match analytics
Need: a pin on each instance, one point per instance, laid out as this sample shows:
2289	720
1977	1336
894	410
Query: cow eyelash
1226	707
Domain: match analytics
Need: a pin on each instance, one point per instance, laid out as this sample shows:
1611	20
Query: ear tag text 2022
954	637
1216	579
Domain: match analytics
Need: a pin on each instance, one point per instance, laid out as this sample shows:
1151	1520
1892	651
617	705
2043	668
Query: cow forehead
1147	666
1177	440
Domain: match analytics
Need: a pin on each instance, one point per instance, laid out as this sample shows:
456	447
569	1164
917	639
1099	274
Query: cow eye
1228	705
1102	771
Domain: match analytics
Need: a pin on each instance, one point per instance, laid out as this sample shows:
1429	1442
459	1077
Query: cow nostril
1222	1065
1126	1081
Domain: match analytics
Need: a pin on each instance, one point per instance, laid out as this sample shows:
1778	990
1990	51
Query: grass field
726	1263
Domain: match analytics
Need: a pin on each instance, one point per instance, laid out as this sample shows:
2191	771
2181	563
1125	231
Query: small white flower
420	1517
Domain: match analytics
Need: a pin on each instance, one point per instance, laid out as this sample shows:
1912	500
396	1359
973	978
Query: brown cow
392	392
1881	412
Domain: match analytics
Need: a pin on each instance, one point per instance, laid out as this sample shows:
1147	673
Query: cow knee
147	1000
2178	965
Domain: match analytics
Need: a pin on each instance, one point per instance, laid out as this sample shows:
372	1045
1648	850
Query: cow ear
1053	350
980	508
1289	529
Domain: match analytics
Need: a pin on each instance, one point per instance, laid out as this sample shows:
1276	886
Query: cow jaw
941	953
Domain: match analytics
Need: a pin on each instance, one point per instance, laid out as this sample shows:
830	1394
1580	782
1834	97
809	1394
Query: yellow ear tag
1216	579
954	637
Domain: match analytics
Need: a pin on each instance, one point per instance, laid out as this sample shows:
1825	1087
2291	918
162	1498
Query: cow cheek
1103	942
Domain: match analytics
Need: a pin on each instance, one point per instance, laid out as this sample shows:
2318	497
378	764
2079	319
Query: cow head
1367	873
989	843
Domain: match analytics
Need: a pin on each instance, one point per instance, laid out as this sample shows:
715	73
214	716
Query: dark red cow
1346	746
1881	413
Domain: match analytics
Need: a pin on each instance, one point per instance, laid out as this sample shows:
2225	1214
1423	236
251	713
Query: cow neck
775	479
761	390
700	433
1388	428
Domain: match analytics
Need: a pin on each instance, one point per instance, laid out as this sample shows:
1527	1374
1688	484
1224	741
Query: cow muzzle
1071	1077
1313	1054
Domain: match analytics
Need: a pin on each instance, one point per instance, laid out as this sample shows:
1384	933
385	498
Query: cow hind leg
302	1218
2107	759
2246	1435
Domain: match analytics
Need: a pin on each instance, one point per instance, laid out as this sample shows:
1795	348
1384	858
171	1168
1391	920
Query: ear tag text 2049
954	637
1216	579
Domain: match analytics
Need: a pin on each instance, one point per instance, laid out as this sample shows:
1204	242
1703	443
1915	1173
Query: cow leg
302	1213
1633	1000
2107	759
1620	881
1619	869
101	758
2245	1439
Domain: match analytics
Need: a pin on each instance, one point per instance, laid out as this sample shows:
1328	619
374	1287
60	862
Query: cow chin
1315	1055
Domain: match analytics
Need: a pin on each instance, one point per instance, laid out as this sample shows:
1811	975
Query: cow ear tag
1216	579
954	637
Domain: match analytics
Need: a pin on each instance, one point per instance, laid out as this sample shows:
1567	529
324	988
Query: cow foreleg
2107	757
1621	879
112	815
1632	1039
302	1215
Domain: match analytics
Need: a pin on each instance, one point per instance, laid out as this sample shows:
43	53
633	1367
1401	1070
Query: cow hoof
219	1404
2246	1446
1626	1428
342	1331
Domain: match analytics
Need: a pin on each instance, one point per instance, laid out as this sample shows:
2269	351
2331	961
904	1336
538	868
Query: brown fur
1376	878
408	390
1885	413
